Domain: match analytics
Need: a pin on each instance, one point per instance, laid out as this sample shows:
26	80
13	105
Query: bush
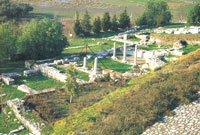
41	39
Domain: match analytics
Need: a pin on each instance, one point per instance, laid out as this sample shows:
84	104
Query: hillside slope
144	101
67	8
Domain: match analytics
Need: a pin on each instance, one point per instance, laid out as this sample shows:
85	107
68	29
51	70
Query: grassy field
109	64
134	39
11	92
39	82
190	48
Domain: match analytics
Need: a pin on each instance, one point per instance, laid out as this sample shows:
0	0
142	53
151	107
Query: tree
10	10
194	16
96	25
114	23
7	42
41	39
85	24
71	85
77	25
124	20
141	20
105	23
155	14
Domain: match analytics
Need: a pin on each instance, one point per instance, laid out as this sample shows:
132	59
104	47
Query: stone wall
17	107
26	89
51	72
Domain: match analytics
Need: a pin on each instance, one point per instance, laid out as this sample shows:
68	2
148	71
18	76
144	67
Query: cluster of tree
194	16
156	14
106	23
37	40
10	10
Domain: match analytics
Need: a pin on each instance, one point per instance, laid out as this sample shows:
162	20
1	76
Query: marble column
85	63
125	36
135	55
95	65
114	51
124	53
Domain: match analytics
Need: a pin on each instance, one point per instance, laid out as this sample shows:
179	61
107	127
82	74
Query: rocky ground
186	121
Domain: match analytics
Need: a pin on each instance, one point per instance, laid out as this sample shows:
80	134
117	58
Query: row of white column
95	64
124	60
113	57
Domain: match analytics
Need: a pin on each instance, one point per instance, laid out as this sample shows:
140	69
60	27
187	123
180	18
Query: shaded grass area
145	101
106	63
12	66
8	123
39	82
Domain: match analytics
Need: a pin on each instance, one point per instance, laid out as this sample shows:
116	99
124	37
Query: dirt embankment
170	39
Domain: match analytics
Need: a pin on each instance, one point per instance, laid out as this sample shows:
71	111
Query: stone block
8	80
29	63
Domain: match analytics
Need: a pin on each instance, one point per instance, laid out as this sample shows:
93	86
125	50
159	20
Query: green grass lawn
134	39
190	48
110	64
11	92
82	75
39	82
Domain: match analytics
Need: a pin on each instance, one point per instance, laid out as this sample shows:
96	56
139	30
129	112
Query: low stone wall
31	72
17	107
26	89
51	72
